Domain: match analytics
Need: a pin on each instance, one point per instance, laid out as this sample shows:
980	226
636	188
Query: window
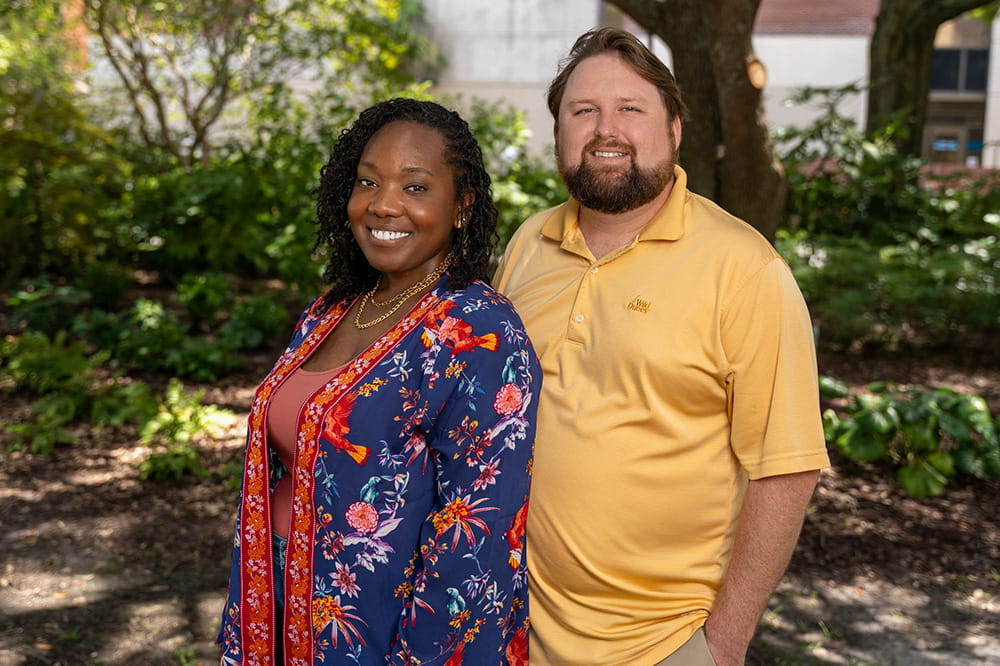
960	70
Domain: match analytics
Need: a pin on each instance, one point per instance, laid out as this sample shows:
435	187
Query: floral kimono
410	489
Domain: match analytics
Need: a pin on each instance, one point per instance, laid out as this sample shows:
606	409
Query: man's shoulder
532	226
709	222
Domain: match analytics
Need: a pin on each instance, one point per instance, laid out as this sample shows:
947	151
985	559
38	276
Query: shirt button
594	269
579	318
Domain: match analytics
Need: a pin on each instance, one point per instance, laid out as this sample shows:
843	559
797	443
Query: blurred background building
510	51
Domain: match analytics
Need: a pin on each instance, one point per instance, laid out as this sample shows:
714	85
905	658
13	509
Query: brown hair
632	51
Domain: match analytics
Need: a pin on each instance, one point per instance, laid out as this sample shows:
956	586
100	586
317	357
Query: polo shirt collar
667	224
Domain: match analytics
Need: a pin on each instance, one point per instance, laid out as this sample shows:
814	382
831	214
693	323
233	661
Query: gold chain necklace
401	298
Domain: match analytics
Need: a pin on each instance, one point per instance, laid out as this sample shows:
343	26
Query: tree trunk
900	62
726	148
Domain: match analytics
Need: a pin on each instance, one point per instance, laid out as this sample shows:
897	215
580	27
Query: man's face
615	144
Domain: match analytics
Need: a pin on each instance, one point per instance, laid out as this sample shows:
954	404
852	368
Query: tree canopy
183	65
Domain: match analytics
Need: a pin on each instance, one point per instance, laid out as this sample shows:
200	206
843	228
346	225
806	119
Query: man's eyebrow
619	100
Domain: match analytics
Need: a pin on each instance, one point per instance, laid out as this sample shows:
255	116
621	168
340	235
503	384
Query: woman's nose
385	204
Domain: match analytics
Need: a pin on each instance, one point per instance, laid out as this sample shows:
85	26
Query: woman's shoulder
481	302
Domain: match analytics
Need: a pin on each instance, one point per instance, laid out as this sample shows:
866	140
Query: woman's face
403	209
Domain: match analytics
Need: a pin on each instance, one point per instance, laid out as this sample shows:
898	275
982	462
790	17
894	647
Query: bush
38	365
68	386
843	182
180	418
254	323
41	306
522	184
203	295
893	295
930	436
886	253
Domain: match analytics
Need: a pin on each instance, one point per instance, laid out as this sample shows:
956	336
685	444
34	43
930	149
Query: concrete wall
991	126
508	50
827	61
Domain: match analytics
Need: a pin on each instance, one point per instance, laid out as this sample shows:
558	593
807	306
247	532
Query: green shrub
181	417
173	463
39	436
40	365
843	182
203	295
523	184
151	338
929	435
895	295
254	323
69	386
119	404
41	306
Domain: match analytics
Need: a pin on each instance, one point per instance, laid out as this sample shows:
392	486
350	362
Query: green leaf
966	462
832	388
920	479
860	445
942	462
882	420
954	427
921	436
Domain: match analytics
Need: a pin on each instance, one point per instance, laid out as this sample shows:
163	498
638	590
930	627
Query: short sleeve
773	388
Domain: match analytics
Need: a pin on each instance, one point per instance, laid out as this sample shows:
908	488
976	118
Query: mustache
598	144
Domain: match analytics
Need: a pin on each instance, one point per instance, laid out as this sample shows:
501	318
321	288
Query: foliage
203	295
844	182
884	254
185	68
248	211
522	184
38	365
68	385
255	323
180	418
902	294
59	170
42	306
929	435
150	337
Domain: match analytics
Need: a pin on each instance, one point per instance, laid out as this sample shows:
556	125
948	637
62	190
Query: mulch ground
99	567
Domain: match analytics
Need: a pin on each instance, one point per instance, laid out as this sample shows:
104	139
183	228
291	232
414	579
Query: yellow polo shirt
674	369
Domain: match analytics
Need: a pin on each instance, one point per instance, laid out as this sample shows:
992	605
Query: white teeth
602	153
386	235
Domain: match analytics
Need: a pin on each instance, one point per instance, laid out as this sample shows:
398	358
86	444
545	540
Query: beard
614	191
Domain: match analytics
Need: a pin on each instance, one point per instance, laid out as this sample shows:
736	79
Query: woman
389	450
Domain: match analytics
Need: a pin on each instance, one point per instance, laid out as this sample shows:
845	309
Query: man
679	437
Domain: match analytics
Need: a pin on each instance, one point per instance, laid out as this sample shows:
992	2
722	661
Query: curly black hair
348	272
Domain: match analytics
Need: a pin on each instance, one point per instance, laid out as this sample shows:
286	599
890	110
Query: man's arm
768	527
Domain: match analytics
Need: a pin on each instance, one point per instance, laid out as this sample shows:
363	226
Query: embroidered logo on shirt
638	304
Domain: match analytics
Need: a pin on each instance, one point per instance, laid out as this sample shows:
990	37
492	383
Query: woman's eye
366	182
416	188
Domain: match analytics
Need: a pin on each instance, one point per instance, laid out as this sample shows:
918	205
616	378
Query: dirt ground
98	567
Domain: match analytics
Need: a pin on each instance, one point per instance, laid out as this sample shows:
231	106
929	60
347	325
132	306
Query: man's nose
606	126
